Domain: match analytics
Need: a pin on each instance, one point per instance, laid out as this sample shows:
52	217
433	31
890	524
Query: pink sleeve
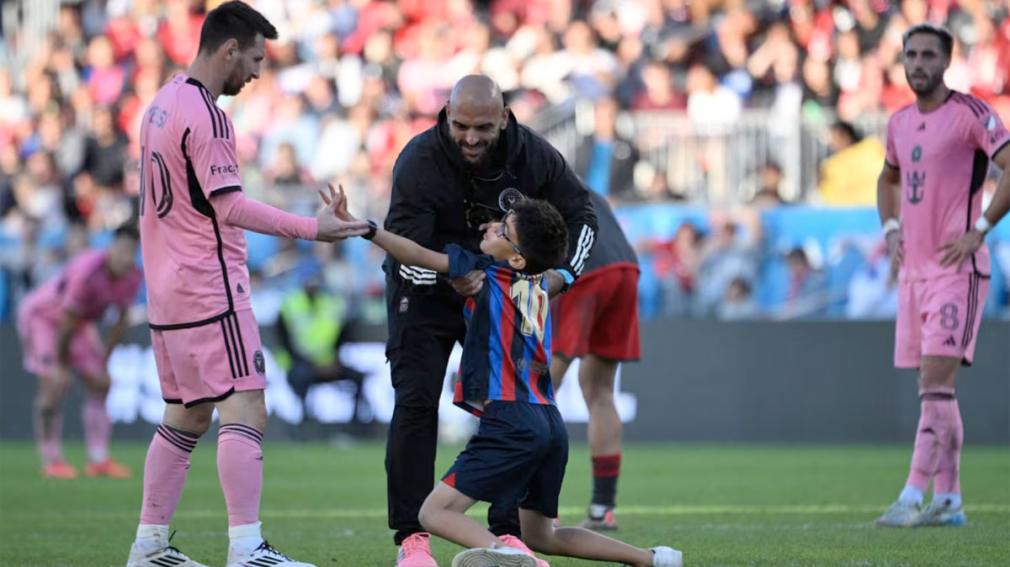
988	132
252	215
214	159
891	157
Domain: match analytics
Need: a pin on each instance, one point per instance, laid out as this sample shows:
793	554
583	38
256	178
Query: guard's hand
470	284
957	251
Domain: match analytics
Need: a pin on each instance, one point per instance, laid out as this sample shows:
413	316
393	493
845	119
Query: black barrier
711	381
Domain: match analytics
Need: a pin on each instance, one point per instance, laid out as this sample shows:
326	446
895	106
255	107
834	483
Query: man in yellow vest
311	327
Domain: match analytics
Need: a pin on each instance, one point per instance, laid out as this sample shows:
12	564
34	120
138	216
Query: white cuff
891	224
982	225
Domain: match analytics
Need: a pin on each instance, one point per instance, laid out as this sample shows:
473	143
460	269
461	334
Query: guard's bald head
477	115
475	92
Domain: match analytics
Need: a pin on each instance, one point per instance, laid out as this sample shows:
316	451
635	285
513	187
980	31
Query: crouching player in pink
56	322
205	338
938	152
520	449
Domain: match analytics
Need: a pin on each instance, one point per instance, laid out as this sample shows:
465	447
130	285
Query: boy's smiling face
501	243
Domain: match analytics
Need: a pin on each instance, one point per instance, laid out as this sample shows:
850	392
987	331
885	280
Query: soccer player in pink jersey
938	152
56	323
205	338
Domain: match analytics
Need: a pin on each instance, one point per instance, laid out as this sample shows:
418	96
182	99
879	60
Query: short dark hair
946	39
541	234
127	230
848	129
236	20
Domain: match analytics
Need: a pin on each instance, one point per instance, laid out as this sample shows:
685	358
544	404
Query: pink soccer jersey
943	156
195	265
85	287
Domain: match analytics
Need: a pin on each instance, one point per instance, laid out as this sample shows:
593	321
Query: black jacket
435	193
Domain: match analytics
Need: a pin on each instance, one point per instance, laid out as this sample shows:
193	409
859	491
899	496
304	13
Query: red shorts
209	362
38	343
939	317
599	315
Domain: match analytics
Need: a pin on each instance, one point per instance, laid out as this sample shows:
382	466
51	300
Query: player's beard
933	82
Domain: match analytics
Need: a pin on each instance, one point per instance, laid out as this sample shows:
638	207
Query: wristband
982	225
372	229
891	225
567	278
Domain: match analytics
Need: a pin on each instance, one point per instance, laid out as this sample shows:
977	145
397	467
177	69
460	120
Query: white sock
910	495
244	539
152	536
953	497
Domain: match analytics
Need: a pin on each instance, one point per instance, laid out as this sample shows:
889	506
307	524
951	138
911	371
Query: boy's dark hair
234	20
541	235
946	40
849	129
127	230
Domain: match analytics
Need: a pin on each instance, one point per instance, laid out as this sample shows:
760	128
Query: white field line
566	512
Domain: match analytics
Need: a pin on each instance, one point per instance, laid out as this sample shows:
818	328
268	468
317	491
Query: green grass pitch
722	505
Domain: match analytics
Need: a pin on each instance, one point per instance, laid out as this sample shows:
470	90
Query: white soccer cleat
493	557
167	556
899	515
941	514
663	556
264	556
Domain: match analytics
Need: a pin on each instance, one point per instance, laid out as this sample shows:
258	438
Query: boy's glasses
503	232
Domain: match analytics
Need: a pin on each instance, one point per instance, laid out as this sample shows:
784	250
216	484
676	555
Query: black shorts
518	454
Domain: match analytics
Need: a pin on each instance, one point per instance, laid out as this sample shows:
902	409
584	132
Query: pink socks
165	473
240	469
938	441
97	429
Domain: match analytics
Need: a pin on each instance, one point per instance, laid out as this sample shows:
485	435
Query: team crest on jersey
259	363
916	153
509	198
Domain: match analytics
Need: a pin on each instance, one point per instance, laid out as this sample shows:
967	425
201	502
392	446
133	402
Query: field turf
720	504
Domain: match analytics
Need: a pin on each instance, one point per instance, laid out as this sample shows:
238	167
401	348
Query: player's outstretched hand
334	221
957	251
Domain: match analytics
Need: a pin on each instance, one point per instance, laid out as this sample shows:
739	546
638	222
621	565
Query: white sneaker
899	515
264	556
167	556
493	557
663	556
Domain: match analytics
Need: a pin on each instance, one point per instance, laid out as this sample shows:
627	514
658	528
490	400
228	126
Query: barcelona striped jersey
506	353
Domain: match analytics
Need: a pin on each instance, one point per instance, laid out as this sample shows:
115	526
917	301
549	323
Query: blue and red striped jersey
507	350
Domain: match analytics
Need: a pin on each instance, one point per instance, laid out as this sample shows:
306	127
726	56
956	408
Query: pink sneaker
512	541
415	551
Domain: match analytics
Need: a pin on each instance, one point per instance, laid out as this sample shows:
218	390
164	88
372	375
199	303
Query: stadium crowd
350	81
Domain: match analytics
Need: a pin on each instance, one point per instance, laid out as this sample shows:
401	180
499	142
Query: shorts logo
259	363
404	304
949	342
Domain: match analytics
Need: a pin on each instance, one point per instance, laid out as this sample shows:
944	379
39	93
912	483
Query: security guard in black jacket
467	170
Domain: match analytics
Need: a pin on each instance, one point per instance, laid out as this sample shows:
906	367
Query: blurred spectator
727	254
675	262
849	175
769	186
606	160
807	292
738	302
873	289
